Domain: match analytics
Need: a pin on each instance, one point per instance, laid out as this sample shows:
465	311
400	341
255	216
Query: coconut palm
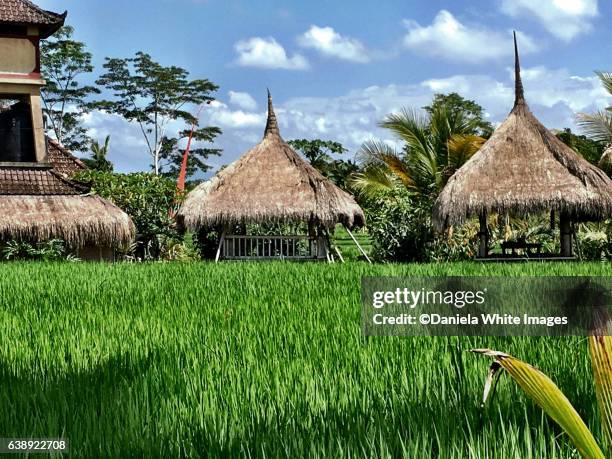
98	159
435	145
598	126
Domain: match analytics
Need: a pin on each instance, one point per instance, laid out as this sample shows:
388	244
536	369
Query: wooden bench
521	244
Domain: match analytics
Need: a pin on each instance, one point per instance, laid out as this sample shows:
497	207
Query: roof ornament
519	95
272	124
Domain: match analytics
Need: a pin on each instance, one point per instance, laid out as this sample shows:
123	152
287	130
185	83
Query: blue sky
336	68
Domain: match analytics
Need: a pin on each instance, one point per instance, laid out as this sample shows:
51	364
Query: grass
261	360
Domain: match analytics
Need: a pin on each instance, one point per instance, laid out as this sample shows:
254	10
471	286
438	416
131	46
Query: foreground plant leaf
600	348
549	397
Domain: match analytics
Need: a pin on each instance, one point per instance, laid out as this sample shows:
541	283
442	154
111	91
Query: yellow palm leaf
600	348
542	390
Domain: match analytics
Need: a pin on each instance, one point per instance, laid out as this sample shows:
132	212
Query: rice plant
260	360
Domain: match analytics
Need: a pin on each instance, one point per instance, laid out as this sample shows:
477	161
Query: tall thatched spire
272	124
519	95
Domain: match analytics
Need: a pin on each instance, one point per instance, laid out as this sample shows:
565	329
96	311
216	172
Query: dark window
16	133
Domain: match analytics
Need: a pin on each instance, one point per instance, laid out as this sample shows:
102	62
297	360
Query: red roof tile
36	181
24	12
62	160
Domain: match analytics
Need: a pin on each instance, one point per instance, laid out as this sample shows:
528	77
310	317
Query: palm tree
435	146
598	126
98	160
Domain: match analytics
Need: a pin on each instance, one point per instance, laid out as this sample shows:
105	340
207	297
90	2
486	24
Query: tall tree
64	62
171	155
319	153
154	96
455	103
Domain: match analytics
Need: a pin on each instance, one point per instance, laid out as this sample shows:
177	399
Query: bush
52	250
400	227
148	199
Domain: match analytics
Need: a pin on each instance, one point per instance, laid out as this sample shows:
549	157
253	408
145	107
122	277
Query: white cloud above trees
267	53
330	43
448	38
565	19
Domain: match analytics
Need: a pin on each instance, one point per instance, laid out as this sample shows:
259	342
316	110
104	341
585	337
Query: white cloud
221	115
330	43
555	95
267	53
565	19
243	100
448	38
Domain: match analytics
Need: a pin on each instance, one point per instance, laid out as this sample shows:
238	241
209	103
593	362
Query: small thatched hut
523	168
271	183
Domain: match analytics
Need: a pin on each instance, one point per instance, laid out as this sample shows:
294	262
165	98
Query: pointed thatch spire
523	168
519	95
272	124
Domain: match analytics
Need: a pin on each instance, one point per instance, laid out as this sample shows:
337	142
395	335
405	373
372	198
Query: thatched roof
270	183
38	203
524	168
78	220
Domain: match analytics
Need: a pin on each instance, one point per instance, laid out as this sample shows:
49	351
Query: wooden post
483	249
358	245
552	220
565	227
221	241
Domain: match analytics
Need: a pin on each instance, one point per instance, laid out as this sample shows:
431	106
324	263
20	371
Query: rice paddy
261	360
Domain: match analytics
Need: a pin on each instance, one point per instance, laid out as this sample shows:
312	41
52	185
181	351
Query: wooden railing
273	247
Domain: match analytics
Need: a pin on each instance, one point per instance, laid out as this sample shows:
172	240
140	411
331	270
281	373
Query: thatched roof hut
524	168
38	203
270	183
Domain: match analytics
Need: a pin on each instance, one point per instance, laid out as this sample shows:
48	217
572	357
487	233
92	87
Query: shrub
400	227
52	250
148	199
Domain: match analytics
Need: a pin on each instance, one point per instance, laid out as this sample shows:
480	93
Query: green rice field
261	360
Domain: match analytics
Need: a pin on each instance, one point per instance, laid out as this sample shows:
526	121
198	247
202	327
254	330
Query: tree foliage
154	96
598	126
319	153
147	198
589	149
171	155
64	62
455	104
98	160
435	145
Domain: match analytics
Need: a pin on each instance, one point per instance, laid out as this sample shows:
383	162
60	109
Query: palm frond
372	181
600	348
461	148
372	152
597	126
544	392
606	80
